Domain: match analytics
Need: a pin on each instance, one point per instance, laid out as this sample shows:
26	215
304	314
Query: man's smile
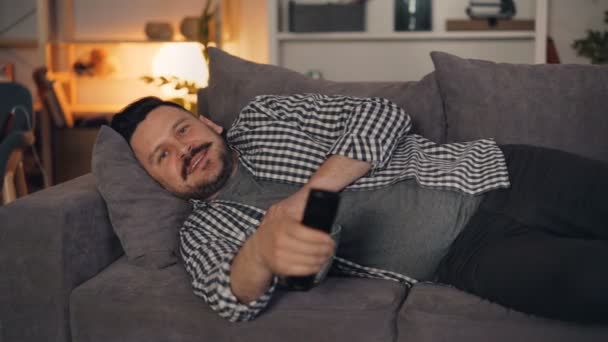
198	157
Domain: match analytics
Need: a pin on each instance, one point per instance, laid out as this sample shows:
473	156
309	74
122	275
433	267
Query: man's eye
183	130
163	155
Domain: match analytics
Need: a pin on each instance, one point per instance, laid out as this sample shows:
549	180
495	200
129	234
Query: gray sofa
63	274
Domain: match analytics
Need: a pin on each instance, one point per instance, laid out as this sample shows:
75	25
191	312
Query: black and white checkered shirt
286	139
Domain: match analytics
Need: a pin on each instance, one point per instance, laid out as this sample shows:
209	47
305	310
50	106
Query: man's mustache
188	158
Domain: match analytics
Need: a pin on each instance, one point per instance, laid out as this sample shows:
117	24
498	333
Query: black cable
30	124
18	21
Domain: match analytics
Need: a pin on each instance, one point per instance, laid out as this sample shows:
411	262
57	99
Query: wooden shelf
62	76
87	110
18	43
481	24
362	36
119	41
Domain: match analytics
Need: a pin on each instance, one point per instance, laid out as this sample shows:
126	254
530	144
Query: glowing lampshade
183	60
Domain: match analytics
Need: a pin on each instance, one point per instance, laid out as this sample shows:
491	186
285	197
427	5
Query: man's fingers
294	245
300	265
307	234
300	270
293	259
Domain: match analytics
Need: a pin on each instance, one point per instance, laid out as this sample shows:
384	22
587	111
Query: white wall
10	10
392	60
25	60
253	36
568	21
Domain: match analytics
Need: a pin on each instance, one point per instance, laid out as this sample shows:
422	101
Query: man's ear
217	128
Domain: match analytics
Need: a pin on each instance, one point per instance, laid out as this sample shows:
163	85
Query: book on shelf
491	9
53	99
485	25
485	3
483	11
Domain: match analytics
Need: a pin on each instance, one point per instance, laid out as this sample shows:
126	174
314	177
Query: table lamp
182	70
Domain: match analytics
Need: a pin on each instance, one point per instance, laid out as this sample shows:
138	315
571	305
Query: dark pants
541	246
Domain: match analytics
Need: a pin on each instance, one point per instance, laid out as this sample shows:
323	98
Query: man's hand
280	246
287	248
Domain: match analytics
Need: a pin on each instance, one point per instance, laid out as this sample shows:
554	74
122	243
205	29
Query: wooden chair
14	184
16	134
67	145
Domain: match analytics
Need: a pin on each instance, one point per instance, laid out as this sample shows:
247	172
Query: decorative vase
413	15
189	28
159	30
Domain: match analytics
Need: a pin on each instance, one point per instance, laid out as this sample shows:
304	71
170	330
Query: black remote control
320	213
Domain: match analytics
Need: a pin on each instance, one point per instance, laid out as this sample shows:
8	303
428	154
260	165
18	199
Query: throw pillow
556	106
234	82
144	215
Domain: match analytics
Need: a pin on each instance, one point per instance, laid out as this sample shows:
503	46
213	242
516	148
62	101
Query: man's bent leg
540	246
554	191
530	271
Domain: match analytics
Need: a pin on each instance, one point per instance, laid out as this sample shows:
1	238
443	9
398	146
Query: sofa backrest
557	106
234	82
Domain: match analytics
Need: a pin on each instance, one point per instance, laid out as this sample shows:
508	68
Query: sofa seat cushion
130	303
434	312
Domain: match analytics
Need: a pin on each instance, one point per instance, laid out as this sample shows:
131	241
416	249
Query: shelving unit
19	43
342	36
87	95
120	41
382	54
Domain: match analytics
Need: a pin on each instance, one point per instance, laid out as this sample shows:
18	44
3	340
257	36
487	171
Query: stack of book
491	9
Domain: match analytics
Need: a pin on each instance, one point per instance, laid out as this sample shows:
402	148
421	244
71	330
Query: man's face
187	156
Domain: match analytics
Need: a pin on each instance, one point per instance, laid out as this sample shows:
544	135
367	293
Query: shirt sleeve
366	129
207	253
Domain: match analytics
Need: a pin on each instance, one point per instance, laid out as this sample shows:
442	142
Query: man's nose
186	149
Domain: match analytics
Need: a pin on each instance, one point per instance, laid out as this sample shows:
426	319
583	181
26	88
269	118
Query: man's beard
211	186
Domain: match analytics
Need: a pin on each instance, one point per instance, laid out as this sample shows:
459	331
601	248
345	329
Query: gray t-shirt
402	227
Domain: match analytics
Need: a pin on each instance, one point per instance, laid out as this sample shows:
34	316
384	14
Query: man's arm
304	130
337	172
238	281
208	249
358	135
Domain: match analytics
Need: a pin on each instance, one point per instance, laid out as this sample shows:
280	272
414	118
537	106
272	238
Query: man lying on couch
519	225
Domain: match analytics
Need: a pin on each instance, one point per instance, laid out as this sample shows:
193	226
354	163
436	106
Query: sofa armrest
50	242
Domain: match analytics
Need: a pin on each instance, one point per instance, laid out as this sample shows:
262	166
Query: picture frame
7	72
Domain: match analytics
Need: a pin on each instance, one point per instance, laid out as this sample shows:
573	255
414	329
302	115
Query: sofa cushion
145	216
127	303
234	82
434	312
558	106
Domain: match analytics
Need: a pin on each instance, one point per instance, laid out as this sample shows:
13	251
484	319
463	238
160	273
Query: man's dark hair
125	122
